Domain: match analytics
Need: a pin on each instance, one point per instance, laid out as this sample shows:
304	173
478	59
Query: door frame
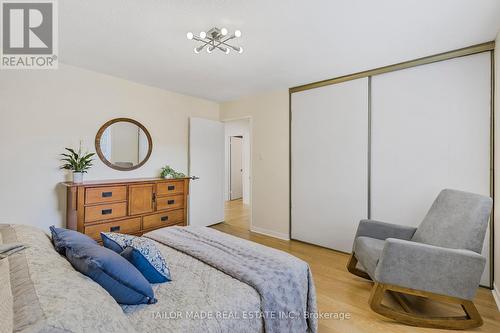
250	162
230	160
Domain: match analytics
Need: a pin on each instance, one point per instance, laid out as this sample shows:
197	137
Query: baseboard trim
270	233
496	295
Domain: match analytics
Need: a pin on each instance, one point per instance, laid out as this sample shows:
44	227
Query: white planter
168	177
77	177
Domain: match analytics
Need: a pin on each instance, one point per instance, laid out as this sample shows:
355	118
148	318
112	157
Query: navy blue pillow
111	244
61	238
144	266
141	252
115	274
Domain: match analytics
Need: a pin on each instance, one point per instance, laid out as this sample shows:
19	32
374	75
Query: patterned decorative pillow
141	252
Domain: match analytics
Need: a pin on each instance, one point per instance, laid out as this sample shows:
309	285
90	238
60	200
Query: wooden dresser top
119	181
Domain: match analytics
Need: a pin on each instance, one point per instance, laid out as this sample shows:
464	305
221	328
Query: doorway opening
237	173
236	167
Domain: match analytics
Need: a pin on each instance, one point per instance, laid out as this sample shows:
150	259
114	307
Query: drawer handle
106	211
113	229
107	194
171	187
164	218
171	202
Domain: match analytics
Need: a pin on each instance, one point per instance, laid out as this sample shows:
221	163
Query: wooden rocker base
351	267
471	319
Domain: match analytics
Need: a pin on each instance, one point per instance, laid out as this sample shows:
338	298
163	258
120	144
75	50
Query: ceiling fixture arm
204	41
236	48
199	39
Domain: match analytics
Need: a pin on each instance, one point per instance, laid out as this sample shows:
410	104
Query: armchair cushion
368	250
445	271
383	230
456	220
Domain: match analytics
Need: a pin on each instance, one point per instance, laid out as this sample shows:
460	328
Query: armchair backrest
456	220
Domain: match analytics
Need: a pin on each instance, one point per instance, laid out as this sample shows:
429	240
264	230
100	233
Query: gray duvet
199	299
283	282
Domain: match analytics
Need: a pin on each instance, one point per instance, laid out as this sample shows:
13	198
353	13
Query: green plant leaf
76	162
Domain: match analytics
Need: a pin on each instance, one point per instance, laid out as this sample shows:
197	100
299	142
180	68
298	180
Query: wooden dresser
129	206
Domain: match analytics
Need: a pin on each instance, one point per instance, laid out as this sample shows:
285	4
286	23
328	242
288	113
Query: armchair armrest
383	230
444	271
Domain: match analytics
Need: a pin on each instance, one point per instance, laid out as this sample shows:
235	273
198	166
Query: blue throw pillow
61	238
141	252
114	273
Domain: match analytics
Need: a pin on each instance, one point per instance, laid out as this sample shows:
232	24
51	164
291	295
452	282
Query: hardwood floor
237	214
340	292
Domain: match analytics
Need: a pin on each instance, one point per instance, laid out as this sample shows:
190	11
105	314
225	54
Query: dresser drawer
168	188
163	219
128	226
105	212
105	194
170	202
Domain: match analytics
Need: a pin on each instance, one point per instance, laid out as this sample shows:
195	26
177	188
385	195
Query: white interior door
236	153
430	131
329	163
206	161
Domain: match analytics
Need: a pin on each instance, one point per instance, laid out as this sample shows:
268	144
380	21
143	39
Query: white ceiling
286	42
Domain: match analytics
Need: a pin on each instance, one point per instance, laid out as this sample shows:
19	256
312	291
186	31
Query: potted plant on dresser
77	162
168	172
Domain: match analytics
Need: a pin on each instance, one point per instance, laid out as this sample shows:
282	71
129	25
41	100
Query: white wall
270	158
238	128
496	242
41	112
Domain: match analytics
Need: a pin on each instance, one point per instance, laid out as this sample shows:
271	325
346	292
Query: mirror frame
98	143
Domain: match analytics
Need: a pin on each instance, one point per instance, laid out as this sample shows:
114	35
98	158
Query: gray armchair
439	260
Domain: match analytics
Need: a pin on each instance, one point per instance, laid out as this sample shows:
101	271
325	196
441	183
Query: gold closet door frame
466	51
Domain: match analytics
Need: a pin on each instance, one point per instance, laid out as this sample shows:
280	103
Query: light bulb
240	50
209	50
237	33
203	34
189	35
196	50
223	31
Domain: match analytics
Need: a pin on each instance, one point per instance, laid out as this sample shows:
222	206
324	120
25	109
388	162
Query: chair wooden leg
400	299
471	319
351	267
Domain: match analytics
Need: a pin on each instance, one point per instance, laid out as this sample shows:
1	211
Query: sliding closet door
329	163
430	131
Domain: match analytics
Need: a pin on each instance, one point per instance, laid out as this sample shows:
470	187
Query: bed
43	293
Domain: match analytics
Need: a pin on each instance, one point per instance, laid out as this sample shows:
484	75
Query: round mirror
123	144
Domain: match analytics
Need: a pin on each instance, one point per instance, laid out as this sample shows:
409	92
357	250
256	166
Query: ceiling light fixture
215	38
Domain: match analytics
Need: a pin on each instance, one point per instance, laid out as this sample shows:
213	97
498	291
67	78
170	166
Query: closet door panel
430	131
329	163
